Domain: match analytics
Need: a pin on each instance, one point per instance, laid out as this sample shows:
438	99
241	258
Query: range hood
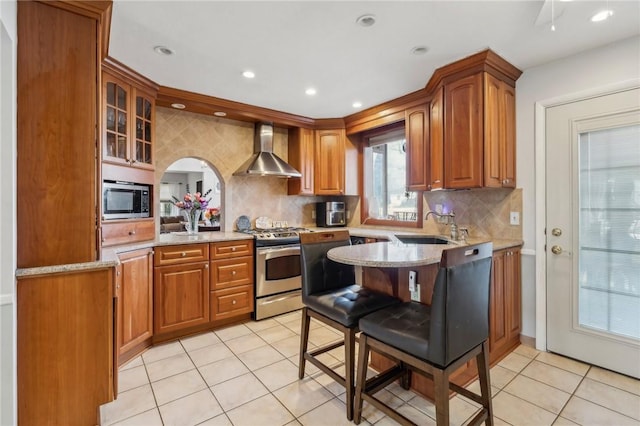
264	162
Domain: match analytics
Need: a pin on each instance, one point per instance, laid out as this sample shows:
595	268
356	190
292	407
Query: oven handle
271	253
280	299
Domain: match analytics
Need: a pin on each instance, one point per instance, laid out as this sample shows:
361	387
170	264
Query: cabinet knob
132	232
206	266
429	187
183	254
233	249
233	272
233	302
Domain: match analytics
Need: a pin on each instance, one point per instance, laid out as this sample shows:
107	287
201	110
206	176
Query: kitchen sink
422	239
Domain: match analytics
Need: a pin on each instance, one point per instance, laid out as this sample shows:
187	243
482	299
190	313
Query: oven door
277	269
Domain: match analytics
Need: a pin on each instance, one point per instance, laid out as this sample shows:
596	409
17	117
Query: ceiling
294	45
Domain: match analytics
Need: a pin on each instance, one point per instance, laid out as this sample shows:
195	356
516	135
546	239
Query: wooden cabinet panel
506	303
329	162
231	272
230	302
463	150
127	231
417	148
508	151
228	249
57	102
181	296
492	131
186	253
301	152
135	302
65	347
436	141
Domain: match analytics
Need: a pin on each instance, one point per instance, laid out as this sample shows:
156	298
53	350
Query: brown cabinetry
436	141
57	104
128	114
134	290
232	275
181	287
506	304
301	152
479	136
127	231
329	162
417	148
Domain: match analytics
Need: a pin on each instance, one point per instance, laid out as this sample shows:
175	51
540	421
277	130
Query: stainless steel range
278	279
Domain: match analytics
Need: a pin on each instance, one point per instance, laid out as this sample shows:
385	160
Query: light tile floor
247	375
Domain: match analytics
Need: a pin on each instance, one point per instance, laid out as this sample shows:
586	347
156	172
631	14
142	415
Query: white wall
591	70
7	213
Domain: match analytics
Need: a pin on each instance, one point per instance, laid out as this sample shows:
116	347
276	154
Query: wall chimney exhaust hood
264	162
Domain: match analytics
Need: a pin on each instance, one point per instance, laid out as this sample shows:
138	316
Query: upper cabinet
327	159
128	114
436	140
417	147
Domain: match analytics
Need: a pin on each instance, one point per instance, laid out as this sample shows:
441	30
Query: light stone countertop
110	254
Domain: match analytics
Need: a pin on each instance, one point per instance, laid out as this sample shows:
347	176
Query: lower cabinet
232	266
181	287
134	290
505	322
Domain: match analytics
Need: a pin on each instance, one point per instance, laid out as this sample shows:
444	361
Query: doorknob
556	250
556	232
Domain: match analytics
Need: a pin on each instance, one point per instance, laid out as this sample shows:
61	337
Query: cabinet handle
233	302
132	232
429	187
506	181
233	272
206	266
183	254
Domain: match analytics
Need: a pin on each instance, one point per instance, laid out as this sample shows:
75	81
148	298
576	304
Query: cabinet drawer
124	232
226	249
230	302
171	255
231	272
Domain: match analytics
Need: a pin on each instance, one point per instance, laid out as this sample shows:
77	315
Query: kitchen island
386	267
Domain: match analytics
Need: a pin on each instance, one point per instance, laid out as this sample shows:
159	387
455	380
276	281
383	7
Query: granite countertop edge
110	254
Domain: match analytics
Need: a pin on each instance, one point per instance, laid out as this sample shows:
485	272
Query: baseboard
528	341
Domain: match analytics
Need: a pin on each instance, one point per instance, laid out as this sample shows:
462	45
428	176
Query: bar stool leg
304	341
349	359
441	390
363	358
482	360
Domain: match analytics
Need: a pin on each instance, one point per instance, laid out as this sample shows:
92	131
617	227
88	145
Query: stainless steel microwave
125	200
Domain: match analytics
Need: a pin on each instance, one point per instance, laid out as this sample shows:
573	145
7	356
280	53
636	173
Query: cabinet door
417	148
463	147
508	131
436	141
301	154
329	162
135	300
116	116
498	328
493	137
143	132
181	296
513	295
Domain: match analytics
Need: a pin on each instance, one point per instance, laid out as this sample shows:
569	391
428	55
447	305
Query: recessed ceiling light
366	20
419	50
310	91
178	106
248	74
163	50
356	104
220	114
602	15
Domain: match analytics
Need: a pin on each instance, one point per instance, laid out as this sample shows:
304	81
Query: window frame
365	219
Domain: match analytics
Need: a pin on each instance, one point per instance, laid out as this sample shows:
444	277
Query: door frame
540	191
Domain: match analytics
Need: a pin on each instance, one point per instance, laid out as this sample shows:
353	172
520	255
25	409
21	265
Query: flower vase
192	216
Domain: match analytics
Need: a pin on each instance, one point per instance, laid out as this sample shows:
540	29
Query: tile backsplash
225	144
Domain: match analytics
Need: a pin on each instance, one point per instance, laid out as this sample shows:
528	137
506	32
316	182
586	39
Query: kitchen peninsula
386	267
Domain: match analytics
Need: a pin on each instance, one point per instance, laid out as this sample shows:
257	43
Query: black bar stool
331	296
434	340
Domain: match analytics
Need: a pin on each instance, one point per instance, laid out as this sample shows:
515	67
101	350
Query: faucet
449	218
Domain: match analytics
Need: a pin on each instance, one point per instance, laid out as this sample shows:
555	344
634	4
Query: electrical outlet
412	281
514	218
439	208
415	295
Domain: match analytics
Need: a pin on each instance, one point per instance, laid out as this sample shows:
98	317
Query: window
386	200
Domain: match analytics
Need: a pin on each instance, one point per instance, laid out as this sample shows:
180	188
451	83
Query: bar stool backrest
319	273
460	303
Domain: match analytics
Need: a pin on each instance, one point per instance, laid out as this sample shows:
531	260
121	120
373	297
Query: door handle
556	250
556	232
